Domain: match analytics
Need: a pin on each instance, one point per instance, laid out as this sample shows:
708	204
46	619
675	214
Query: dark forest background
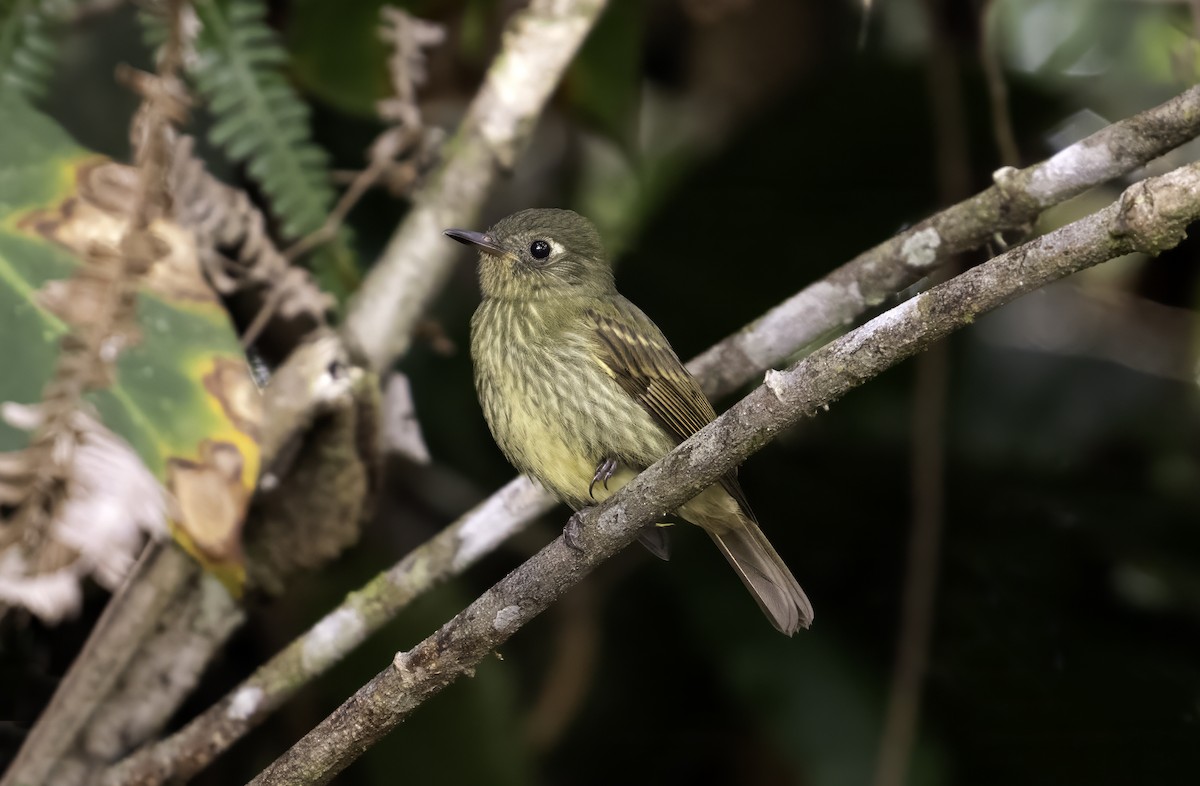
732	152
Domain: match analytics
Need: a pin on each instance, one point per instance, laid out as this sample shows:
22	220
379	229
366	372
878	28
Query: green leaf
337	54
604	83
182	396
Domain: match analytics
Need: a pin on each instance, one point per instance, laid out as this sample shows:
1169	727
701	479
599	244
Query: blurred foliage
181	388
259	118
602	86
261	122
1078	40
27	48
736	150
337	55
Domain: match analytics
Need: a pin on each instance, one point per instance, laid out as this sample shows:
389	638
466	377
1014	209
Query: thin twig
571	671
1150	217
409	37
953	163
997	85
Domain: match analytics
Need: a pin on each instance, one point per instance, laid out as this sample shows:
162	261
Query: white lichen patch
244	703
871	331
506	617
1070	170
330	637
776	382
920	251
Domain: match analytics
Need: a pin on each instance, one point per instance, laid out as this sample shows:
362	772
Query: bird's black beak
484	243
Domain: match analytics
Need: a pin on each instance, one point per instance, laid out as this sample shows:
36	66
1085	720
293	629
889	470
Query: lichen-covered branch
1150	216
446	555
363	612
1016	199
538	45
764	343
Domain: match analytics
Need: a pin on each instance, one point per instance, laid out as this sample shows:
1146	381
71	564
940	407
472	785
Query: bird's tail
764	573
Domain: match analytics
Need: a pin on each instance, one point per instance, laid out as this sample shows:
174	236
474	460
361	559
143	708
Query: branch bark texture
152	587
338	633
538	45
1151	216
813	312
1016	199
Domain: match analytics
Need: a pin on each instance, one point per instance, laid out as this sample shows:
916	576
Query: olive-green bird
581	390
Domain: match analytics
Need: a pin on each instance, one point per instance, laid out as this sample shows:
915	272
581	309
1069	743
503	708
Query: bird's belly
558	444
556	418
541	450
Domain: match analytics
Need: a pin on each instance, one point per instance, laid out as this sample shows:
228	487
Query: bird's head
539	254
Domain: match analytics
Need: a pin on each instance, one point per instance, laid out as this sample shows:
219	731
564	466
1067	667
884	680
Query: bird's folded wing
635	353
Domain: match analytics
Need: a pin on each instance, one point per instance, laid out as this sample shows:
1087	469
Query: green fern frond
260	121
27	48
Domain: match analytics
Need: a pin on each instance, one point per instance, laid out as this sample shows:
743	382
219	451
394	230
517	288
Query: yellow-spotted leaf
181	393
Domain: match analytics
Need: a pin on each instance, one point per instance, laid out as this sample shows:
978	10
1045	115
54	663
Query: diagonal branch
447	554
538	45
1017	198
1150	217
733	362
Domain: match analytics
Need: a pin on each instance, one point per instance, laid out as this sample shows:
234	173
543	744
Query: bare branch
149	590
1016	199
447	554
1150	217
764	343
538	45
997	85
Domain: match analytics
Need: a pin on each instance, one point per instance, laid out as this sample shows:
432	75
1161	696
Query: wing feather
635	353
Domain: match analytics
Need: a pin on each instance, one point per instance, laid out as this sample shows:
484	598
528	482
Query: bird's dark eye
540	249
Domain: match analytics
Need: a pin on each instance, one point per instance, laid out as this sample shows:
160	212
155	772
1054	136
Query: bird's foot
604	471
573	530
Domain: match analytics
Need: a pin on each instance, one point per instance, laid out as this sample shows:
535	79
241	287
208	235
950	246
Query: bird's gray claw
573	530
604	470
